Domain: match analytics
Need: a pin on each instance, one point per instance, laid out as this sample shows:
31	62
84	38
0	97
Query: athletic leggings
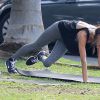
49	35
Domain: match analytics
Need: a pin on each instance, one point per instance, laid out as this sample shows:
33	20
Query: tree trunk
25	24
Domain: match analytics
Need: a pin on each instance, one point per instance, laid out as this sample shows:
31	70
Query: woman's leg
58	51
49	35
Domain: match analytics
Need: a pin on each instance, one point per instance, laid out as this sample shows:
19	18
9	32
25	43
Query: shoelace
34	59
13	65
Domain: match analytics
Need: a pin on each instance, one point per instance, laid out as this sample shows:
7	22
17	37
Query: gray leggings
49	35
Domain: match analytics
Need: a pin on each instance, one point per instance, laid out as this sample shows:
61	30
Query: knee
57	22
47	64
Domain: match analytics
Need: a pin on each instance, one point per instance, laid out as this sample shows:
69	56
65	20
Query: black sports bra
71	25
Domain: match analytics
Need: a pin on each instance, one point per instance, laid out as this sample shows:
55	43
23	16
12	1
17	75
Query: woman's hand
82	37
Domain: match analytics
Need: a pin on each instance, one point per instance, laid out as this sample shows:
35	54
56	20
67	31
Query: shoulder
82	35
82	24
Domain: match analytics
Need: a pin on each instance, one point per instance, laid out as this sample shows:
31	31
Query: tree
25	24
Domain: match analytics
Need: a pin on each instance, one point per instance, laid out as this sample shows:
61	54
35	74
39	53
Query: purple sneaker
10	63
31	60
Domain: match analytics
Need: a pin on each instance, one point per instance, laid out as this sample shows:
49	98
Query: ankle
11	59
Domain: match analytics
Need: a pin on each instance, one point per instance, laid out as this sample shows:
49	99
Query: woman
69	35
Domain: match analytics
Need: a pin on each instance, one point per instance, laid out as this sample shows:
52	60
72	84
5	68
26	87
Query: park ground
17	87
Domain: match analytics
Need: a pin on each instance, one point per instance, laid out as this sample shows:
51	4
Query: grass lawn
68	91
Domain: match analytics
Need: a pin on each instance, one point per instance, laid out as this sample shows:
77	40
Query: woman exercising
69	35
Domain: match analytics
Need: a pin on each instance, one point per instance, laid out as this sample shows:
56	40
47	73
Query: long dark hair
97	32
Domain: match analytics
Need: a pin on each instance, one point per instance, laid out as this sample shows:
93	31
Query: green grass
68	91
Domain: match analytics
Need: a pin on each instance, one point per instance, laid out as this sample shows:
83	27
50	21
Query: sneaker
31	60
41	55
10	63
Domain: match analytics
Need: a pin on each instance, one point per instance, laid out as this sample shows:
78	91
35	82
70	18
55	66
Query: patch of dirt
10	47
4	54
7	49
62	90
55	90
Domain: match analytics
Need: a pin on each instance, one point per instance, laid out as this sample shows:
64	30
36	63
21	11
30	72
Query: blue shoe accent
34	59
11	66
31	60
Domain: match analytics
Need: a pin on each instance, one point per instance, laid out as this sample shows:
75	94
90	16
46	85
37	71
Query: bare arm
82	50
98	50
